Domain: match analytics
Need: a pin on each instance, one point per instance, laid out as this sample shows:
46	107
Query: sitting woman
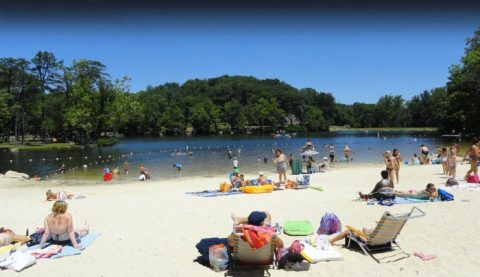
382	190
7	236
430	192
259	219
58	227
61	195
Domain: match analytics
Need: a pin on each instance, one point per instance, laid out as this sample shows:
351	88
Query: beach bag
329	224
224	187
472	179
444	196
107	176
218	256
451	182
296	247
203	248
290	184
18	261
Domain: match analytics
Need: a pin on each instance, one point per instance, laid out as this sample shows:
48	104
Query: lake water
209	154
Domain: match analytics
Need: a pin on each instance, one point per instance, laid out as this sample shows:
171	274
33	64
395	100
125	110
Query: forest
45	98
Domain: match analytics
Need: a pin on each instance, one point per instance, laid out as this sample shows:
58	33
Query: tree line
45	98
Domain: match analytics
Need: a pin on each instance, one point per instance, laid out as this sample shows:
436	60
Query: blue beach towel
213	193
69	250
403	200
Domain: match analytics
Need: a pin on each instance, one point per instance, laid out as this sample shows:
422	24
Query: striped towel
258	236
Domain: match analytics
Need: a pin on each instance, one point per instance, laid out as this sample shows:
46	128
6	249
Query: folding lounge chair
243	256
383	237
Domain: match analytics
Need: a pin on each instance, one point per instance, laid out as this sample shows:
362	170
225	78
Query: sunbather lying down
7	236
61	195
363	234
256	218
430	192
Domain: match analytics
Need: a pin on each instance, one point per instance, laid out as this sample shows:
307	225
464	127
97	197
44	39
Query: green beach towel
298	227
316	188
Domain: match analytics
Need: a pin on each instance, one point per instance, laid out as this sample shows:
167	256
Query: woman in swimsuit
58	226
452	163
388	159
396	163
474	154
430	192
282	165
61	195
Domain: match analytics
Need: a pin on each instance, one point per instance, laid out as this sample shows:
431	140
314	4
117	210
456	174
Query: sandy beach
151	228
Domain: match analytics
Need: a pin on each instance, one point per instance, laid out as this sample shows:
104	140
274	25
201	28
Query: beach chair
244	257
383	238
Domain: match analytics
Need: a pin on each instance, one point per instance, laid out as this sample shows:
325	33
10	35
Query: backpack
296	247
444	196
329	224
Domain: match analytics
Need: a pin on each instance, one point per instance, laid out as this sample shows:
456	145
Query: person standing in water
331	152
125	167
347	152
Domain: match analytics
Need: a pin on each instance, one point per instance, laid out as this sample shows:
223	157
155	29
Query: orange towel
257	236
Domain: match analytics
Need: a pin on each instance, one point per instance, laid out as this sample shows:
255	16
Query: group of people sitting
237	180
384	189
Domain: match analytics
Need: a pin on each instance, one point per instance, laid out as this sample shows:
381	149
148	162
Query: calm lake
209	154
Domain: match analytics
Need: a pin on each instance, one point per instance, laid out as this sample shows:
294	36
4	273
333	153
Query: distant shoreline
384	129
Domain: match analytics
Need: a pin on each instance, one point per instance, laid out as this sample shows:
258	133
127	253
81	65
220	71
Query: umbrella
310	153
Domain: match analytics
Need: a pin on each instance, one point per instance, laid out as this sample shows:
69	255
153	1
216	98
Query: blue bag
444	196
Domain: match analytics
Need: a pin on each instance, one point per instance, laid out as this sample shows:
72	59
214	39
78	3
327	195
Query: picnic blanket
213	193
69	250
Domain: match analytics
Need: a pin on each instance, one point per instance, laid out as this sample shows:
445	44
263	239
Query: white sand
151	228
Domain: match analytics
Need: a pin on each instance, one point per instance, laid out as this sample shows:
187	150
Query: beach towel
298	227
316	188
315	255
257	236
214	193
406	200
69	250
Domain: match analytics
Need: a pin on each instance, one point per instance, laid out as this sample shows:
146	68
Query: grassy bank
38	146
393	129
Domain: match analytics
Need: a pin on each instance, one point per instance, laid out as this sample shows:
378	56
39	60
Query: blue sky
355	56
